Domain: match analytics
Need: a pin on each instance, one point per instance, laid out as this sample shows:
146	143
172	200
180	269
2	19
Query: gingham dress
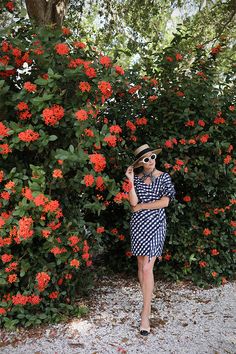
148	226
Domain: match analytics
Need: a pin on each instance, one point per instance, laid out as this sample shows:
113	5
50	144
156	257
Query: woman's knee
147	267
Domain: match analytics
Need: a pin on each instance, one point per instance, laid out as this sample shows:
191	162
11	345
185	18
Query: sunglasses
147	159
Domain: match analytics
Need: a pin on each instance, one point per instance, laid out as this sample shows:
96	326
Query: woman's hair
138	170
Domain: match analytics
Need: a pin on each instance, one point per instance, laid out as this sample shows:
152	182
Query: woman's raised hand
130	173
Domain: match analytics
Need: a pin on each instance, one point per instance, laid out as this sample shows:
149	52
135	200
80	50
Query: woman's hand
130	173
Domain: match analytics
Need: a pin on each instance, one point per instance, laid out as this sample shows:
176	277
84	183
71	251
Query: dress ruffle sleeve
168	187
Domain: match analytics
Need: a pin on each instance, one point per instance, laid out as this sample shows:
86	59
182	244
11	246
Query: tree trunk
47	12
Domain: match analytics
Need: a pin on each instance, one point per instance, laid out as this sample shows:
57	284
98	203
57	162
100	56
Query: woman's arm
156	204
133	199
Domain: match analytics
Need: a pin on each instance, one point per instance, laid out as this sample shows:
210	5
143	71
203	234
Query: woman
150	194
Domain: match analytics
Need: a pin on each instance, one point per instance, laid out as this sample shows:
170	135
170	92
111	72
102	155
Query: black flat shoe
144	331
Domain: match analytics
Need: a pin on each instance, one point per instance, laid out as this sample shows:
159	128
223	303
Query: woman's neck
147	171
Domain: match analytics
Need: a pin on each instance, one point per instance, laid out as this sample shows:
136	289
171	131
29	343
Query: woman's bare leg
147	287
140	260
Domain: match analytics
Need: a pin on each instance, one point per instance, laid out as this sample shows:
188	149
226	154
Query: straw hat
141	152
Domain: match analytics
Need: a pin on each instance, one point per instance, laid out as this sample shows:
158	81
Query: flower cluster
53	115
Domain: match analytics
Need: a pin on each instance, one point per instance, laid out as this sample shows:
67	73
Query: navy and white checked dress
148	226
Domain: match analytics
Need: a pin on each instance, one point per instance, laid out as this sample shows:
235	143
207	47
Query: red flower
28	86
100	229
84	86
180	93
10	185
187	199
152	98
28	135
114	231
25	225
57	250
178	56
99	162
201	123
116	129
12	278
100	183
119	197
130	125
4	131
5	149
219	120
88	180
110	140
5	195
214	274
10	6
153	82
62	48
232	108
227	159
204	138
215	50
45	233
34	299
119	70
169	59
80	45
89	133
66	31
74	239
214	252
25	115
90	72
75	263
141	121
180	162
134	89
105	88
85	256
53	114
57	173
51	206
169	144
6	258
81	115
43	280
189	123
106	61
192	141
167	257
128	253
22	106
40	199
206	232
1	175
19	299
2	311
202	264
53	295
127	186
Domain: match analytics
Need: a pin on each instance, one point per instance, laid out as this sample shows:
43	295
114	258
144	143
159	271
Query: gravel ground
185	319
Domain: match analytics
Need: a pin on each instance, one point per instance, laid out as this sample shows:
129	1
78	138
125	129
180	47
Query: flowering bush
69	119
41	258
187	112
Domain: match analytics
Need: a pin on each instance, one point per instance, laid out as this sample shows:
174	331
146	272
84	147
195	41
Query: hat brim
137	163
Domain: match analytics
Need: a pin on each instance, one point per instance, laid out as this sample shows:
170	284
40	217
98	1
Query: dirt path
185	320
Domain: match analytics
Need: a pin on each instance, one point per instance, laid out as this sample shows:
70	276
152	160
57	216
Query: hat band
141	153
